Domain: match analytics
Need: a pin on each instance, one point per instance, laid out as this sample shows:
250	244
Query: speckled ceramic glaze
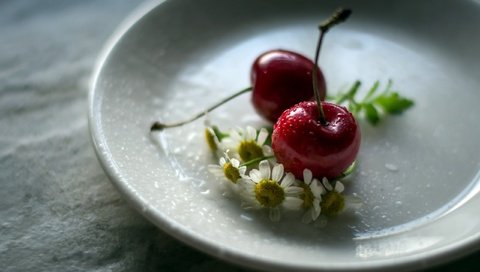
417	173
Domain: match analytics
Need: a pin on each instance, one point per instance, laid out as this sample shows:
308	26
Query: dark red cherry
300	141
281	79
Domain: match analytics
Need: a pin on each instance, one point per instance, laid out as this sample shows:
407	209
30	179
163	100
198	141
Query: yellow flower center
231	172
210	137
332	203
306	196
249	150
269	193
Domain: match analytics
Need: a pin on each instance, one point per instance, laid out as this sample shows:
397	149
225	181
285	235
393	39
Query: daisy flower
334	202
311	196
213	137
248	144
228	168
271	189
212	140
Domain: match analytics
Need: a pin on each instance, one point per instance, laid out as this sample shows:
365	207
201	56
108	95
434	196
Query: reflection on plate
418	174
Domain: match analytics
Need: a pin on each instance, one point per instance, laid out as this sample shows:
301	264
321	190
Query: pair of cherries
308	134
283	93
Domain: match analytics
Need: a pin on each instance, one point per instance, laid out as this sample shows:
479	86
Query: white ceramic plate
418	173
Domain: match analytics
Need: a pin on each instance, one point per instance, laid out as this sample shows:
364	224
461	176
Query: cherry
281	79
300	141
316	135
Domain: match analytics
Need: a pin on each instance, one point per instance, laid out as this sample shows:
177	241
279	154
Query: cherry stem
161	126
340	15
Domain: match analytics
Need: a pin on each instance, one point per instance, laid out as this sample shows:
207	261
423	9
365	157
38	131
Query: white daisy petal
316	206
235	163
242	170
293	191
248	180
292	203
228	142
232	153
307	176
267	150
262	136
317	188
264	167
235	135
248	187
314	213
277	172
339	187
215	169
327	184
274	214
256	175
247	191
251	134
288	180
222	161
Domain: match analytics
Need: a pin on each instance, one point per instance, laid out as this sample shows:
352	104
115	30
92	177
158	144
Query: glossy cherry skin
300	141
281	79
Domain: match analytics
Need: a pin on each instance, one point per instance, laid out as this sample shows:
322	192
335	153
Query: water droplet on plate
391	167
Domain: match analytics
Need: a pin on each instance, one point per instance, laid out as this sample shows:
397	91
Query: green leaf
354	108
372	91
218	133
371	113
350	95
374	106
349	169
393	103
346	172
269	138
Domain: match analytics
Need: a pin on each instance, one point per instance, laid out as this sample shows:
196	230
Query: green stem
161	126
248	163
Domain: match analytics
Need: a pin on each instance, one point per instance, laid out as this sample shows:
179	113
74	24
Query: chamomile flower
311	196
212	141
248	144
271	189
228	168
333	202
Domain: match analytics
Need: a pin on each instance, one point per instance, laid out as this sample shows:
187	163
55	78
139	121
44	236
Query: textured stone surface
58	211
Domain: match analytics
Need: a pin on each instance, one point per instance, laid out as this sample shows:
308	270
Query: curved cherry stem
161	126
340	15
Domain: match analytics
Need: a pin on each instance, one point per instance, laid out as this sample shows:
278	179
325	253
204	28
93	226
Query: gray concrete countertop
58	210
